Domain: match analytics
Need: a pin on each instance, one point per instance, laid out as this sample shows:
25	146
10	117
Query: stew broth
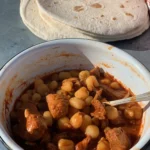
65	110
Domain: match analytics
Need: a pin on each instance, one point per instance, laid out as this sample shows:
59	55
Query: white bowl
64	54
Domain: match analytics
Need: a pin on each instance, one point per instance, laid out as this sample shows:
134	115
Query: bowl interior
66	55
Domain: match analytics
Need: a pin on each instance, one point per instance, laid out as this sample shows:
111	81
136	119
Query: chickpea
103	144
67	86
54	77
82	93
36	97
38	82
42	89
72	111
61	92
77	103
88	100
111	112
64	123
48	118
96	121
64	144
93	131
86	121
129	113
30	92
137	112
53	85
115	85
92	83
105	81
25	97
76	120
64	75
74	73
83	75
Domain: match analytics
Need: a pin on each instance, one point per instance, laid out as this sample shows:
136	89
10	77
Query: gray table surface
15	37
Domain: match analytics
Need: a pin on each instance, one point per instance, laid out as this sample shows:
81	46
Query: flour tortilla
128	35
54	30
103	17
31	18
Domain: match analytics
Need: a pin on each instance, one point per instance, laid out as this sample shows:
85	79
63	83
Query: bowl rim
8	142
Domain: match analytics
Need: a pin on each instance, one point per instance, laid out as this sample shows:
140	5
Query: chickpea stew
65	111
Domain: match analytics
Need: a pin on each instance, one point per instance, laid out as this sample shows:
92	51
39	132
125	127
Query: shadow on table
147	146
140	43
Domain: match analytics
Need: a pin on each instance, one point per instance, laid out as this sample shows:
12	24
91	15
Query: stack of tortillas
103	20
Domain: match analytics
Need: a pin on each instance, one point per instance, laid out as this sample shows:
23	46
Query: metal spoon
136	98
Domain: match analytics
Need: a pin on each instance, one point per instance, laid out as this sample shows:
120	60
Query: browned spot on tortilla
96	5
114	18
121	6
110	47
55	2
78	8
129	14
127	1
133	99
75	17
102	15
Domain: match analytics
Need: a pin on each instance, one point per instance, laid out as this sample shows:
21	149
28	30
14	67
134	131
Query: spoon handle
136	98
